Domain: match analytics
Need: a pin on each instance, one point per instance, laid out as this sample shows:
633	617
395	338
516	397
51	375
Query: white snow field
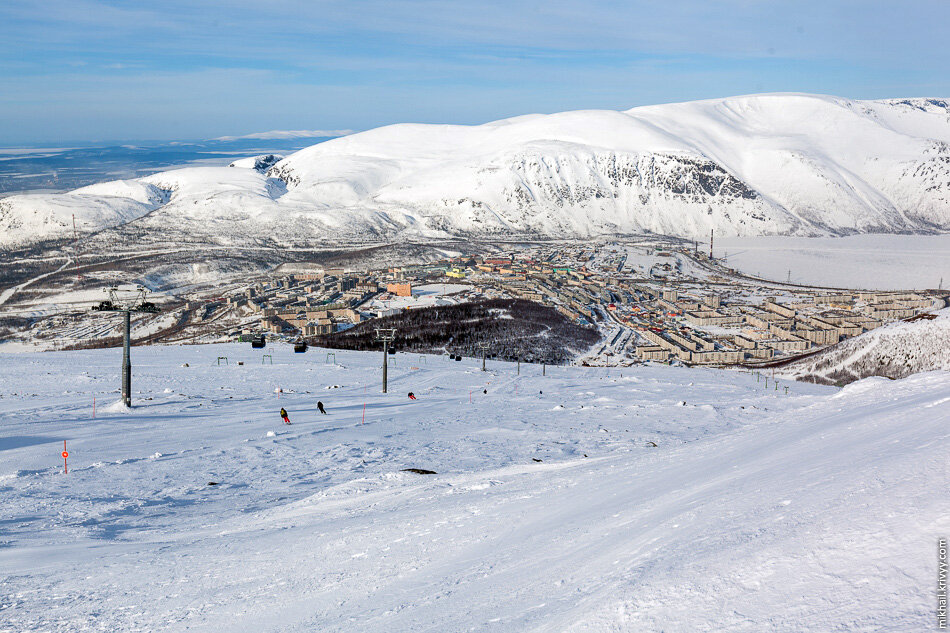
881	262
768	164
756	511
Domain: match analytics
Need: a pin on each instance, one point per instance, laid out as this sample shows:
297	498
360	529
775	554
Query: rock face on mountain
787	164
260	163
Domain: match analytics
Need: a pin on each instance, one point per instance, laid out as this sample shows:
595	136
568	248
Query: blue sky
177	69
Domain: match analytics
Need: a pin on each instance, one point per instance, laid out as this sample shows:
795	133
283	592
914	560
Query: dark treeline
11	325
512	328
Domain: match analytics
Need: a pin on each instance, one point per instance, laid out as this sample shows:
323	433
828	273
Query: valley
650	299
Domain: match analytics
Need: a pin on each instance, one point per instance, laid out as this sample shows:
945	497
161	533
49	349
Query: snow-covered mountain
896	350
261	163
754	165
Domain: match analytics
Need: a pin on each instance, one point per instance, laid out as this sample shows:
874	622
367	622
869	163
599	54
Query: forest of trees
512	328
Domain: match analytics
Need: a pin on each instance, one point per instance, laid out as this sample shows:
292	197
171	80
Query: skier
485	391
412	396
320	406
283	414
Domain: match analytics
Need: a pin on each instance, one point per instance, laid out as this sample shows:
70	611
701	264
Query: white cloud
286	134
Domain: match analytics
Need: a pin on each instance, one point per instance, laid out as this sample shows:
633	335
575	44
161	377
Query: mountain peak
781	163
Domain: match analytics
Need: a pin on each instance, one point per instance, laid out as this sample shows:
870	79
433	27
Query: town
652	298
655	301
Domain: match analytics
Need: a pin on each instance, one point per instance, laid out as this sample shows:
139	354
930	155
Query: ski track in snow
814	511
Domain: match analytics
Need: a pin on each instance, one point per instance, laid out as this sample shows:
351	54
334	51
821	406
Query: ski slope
757	510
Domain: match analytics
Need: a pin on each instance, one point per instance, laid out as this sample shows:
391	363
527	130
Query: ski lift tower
127	302
387	336
484	347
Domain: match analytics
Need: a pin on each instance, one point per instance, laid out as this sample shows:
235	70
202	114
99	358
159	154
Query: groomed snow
755	511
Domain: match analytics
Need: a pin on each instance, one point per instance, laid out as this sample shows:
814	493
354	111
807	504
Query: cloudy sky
185	69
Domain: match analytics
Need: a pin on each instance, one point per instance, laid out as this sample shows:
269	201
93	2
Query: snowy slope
26	218
895	350
773	164
261	163
755	511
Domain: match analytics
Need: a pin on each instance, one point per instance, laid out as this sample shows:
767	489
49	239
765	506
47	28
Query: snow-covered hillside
28	218
659	499
895	350
753	165
261	163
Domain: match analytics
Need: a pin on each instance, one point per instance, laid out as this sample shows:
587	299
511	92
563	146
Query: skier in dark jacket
320	406
283	414
412	396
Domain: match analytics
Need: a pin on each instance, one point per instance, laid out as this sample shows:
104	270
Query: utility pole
126	358
484	348
387	336
76	248
127	302
711	243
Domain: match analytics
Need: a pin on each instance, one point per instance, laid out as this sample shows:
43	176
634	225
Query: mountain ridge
770	164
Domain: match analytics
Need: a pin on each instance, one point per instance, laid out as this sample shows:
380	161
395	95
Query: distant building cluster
311	301
674	325
673	303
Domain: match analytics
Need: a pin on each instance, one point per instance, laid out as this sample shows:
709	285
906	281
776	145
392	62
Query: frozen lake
884	262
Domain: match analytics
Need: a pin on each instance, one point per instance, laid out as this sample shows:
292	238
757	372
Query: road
9	292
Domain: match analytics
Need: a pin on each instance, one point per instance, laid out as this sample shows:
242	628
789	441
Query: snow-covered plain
756	511
425	296
881	262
